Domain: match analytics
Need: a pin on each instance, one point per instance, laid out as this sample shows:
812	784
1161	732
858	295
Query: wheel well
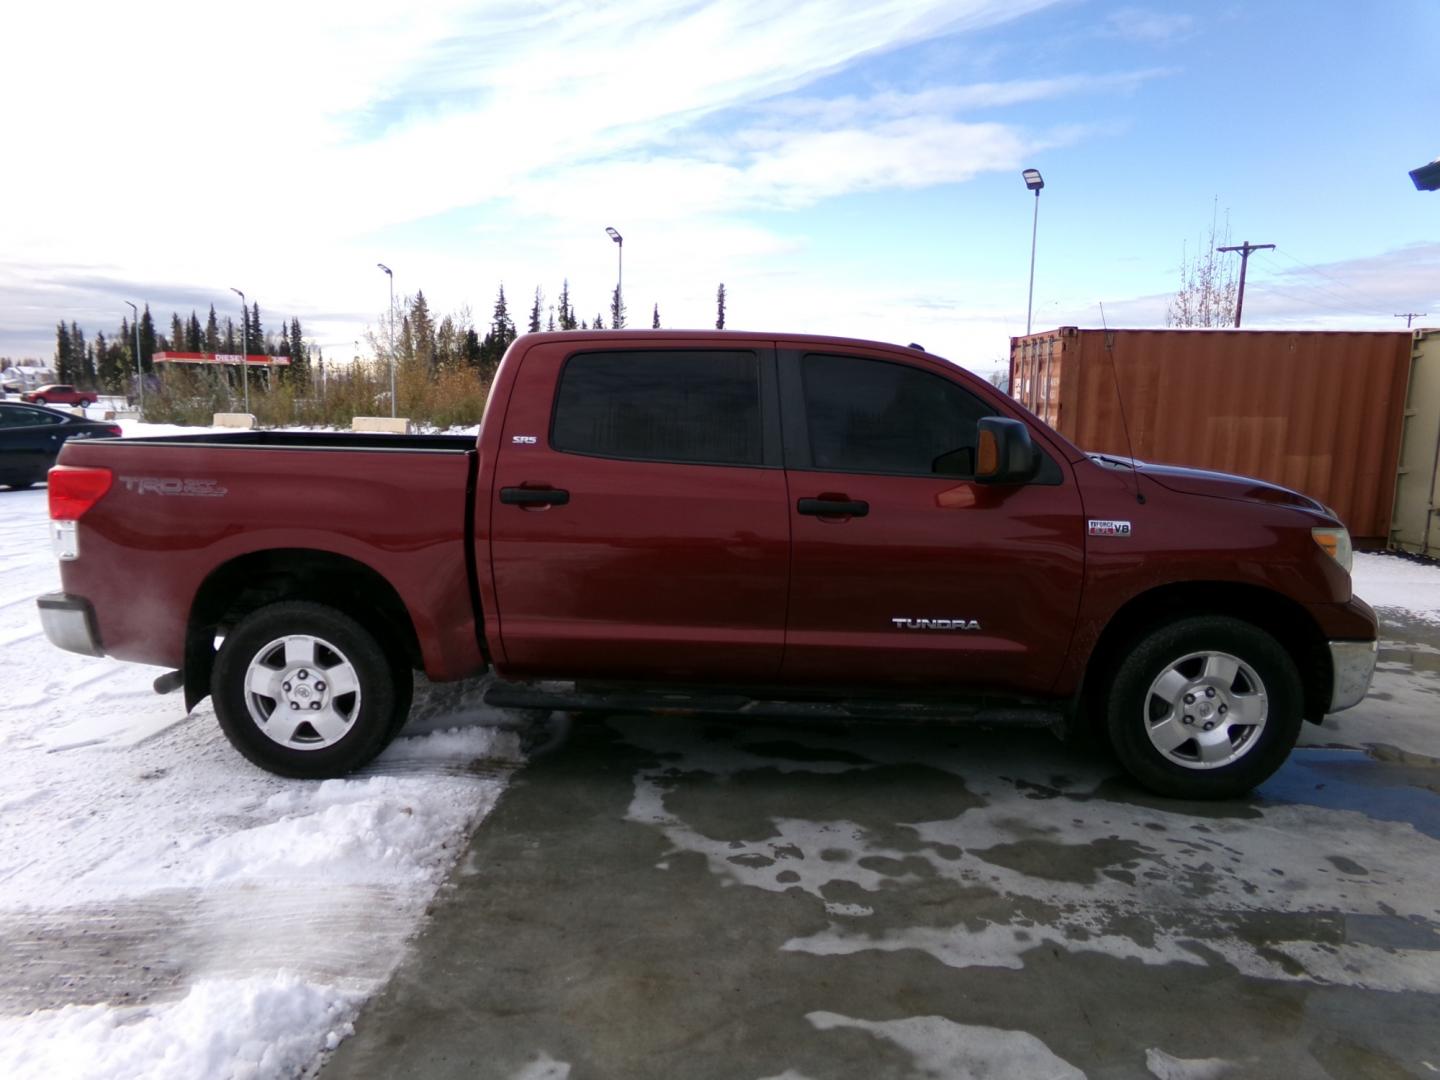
1279	616
251	581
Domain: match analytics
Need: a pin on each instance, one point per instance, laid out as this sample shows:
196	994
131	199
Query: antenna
1120	400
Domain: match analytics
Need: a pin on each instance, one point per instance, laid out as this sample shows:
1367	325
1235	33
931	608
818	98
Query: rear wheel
304	690
1204	708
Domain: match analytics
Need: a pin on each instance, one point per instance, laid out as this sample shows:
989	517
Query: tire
319	675
1211	669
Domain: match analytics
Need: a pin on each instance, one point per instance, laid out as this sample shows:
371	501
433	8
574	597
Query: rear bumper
69	622
1352	664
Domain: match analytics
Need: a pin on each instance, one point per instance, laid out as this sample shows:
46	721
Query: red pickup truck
734	523
59	394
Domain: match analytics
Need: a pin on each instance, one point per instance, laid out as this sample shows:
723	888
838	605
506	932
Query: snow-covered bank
1392	583
167	909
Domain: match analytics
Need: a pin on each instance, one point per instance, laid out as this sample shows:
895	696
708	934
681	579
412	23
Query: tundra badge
936	624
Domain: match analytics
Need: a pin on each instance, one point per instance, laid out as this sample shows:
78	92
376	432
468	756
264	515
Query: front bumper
69	622
1352	665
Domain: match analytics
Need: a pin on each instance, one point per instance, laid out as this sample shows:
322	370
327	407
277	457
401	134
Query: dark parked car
60	394
31	437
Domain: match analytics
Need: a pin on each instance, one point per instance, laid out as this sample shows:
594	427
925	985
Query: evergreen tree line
442	370
109	363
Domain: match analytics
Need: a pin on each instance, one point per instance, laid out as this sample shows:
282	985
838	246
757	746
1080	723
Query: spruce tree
107	363
299	356
147	341
567	309
82	359
617	310
64	359
177	332
193	338
212	333
256	333
422	333
231	340
720	307
599	323
535	312
470	350
655	318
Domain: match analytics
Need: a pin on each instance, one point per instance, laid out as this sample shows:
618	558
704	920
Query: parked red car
59	394
724	523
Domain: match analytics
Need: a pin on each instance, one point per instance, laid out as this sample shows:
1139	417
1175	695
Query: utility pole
244	346
1244	249
1411	316
391	275
139	371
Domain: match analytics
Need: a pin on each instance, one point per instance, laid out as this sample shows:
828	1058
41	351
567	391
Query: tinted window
14	416
668	406
873	416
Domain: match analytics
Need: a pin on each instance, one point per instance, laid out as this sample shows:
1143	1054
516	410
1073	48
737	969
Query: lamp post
391	275
619	273
244	347
1034	182
139	371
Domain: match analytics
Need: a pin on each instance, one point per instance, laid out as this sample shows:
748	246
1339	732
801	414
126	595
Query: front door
639	530
906	571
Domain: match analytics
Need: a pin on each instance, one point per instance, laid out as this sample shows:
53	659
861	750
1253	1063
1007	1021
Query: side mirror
1005	454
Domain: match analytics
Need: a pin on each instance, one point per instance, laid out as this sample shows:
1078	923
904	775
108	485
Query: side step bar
568	697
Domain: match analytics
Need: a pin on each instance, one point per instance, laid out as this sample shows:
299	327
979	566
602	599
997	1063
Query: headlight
1336	543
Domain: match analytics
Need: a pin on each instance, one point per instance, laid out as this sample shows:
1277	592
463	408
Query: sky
842	167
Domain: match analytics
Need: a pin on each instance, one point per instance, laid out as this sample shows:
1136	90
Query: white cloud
1138	24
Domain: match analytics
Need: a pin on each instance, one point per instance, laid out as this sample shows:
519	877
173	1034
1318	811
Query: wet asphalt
669	897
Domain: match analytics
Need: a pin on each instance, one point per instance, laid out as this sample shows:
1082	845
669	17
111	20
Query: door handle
521	496
833	507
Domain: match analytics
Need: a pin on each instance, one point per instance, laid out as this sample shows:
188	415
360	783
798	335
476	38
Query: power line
1347	303
1311	269
1410	316
1244	249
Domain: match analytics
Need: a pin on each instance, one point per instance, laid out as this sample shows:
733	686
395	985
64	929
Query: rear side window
695	406
871	416
12	416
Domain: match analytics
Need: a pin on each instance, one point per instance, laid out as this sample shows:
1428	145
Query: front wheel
1206	707
304	690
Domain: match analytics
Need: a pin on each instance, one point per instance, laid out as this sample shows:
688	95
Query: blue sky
848	168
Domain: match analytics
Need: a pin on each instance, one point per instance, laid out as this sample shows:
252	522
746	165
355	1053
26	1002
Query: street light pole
1034	182
139	371
244	347
619	274
391	275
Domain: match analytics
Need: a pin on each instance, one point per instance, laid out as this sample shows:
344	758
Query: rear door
905	570
30	439
639	522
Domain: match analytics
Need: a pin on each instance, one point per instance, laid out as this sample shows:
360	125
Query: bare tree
1208	284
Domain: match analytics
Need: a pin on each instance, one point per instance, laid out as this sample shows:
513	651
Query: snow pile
1391	582
167	908
259	1027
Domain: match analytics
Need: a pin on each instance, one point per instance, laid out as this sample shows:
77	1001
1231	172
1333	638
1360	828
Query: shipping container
1416	525
1317	411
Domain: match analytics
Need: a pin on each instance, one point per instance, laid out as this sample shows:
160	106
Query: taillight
74	490
114	431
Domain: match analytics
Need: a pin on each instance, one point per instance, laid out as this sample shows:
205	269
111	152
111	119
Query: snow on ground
1391	583
166	908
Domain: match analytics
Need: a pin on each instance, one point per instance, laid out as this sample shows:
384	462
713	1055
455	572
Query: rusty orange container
1317	411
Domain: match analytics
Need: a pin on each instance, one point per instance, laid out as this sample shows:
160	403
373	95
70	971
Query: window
684	406
870	416
14	416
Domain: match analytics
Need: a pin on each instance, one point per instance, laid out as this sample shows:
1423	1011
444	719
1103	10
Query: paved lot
658	897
